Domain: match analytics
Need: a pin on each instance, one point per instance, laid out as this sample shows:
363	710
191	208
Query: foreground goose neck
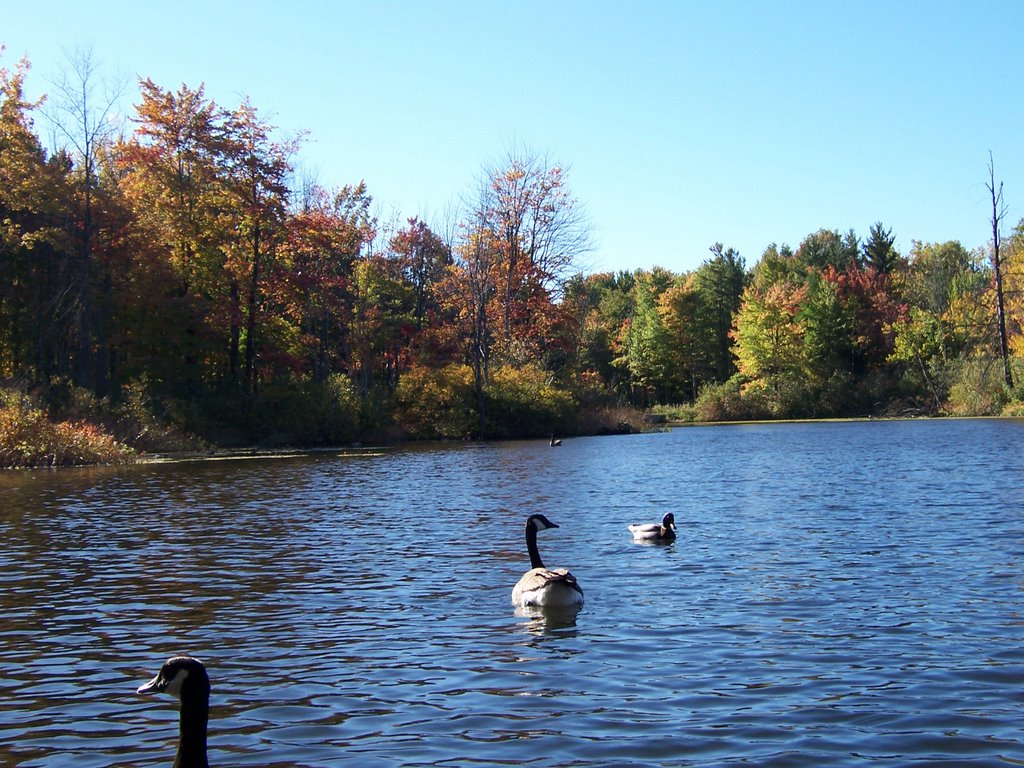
531	546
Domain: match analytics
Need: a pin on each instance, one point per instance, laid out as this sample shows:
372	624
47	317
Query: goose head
183	677
539	522
669	521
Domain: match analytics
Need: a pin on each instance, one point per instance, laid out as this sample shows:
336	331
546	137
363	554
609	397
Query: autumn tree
918	342
698	311
173	176
777	264
939	273
477	260
257	201
1013	268
871	305
769	334
382	322
35	246
598	305
684	318
539	230
174	160
326	238
948	317
423	258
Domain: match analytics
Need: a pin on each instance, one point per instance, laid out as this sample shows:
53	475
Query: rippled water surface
839	595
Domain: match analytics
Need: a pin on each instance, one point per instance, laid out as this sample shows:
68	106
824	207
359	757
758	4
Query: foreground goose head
665	531
540	586
185	678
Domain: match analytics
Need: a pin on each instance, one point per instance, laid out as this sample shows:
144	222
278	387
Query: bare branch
998	214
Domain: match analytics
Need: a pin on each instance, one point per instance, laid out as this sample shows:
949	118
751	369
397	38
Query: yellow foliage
29	439
436	402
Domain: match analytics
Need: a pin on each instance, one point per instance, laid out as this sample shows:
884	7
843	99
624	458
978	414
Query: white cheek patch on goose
174	687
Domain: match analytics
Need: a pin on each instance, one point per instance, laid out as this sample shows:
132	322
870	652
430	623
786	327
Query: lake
840	594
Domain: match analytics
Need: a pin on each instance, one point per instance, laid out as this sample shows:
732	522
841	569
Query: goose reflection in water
543	620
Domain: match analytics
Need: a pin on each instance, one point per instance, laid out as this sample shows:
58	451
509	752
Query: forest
174	281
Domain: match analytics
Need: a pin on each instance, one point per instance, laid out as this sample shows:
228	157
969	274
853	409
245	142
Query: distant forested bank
173	282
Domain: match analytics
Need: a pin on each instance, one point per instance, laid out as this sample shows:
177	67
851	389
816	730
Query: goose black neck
531	546
195	712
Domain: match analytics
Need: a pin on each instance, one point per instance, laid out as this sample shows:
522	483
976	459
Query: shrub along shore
83	431
72	428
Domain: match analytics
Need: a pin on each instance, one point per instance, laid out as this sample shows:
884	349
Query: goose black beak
156	685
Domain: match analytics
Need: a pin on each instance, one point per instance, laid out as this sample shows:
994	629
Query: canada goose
541	586
185	677
665	531
555	443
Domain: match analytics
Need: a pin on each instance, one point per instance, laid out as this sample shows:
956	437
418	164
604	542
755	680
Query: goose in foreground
540	586
185	678
555	443
664	531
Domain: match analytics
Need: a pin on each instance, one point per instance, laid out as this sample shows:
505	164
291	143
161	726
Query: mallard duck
665	531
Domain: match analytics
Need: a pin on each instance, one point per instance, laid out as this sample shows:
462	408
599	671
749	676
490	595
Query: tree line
179	266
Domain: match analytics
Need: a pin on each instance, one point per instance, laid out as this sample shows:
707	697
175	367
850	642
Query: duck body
541	586
663	531
185	678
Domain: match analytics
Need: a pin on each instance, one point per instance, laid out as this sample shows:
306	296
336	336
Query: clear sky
682	123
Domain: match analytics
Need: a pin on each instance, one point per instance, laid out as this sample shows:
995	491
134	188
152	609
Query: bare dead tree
998	214
84	124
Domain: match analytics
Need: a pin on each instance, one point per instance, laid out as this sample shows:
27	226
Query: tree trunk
250	324
998	212
236	331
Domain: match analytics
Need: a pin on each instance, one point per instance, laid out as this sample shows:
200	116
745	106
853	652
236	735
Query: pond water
839	594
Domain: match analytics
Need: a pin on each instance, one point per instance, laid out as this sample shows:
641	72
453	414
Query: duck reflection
657	543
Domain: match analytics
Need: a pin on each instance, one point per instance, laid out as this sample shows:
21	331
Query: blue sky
682	123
